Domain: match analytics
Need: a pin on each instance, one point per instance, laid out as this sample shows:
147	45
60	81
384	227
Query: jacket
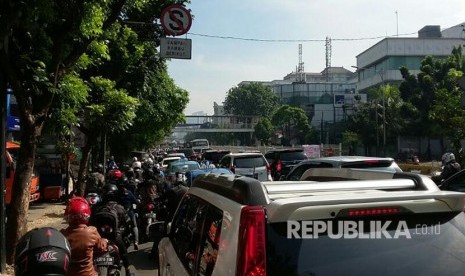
84	241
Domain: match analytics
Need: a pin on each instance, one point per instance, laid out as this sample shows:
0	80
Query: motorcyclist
450	167
127	201
84	240
110	197
95	180
111	164
31	254
148	188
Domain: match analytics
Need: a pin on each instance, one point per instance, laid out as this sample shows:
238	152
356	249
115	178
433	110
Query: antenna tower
300	68
328	56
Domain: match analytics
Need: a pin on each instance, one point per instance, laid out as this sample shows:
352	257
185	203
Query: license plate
104	261
150	215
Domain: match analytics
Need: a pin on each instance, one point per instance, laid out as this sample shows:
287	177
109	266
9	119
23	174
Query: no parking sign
176	20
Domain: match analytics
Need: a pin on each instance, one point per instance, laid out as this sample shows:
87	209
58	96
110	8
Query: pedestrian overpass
223	123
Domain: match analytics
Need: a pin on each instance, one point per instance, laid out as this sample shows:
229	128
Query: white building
382	61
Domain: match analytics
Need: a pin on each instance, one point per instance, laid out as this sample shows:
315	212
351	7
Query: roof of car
349	158
235	154
298	200
172	158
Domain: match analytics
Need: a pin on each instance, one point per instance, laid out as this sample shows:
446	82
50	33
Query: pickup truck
11	151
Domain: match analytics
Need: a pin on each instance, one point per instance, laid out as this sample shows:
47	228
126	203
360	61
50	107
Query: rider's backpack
105	219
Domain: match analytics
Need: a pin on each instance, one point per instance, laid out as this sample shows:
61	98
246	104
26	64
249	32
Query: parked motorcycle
109	263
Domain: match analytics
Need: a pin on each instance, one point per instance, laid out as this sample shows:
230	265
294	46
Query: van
11	153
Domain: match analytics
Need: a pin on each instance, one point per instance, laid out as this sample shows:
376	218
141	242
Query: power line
294	40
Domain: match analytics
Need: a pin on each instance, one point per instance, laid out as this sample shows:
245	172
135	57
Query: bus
199	145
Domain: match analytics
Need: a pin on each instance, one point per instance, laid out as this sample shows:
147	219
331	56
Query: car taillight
251	257
233	169
279	166
268	169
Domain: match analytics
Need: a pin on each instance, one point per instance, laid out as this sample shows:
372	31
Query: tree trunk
17	222
83	168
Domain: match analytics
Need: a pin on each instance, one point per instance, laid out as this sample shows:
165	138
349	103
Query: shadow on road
140	259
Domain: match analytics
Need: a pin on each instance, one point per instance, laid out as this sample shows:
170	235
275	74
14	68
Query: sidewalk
46	214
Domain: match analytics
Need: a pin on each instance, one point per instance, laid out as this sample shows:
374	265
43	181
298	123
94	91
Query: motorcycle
148	215
109	263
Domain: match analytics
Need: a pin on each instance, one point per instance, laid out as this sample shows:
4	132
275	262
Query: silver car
251	164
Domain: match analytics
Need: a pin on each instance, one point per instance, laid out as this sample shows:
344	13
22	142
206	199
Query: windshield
183	168
249	162
292	156
437	249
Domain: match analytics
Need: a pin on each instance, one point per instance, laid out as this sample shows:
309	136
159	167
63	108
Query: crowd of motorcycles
147	217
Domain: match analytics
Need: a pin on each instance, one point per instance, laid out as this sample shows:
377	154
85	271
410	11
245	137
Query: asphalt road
51	214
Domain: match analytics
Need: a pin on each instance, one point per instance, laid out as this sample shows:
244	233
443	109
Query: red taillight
233	169
371	161
268	169
279	166
251	257
373	211
150	207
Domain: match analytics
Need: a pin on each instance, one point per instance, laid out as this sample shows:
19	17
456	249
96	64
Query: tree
363	123
434	95
41	42
293	122
110	110
264	130
251	99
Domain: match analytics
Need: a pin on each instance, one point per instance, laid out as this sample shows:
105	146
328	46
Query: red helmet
116	174
78	211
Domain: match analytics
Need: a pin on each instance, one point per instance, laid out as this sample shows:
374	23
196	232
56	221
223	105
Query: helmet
110	192
149	161
149	174
134	159
42	251
448	157
115	174
78	211
130	173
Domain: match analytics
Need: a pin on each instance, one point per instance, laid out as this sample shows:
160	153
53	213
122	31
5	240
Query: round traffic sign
176	20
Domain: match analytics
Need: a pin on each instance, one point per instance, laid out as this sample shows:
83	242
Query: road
51	214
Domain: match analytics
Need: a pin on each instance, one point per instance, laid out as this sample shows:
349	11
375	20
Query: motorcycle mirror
168	228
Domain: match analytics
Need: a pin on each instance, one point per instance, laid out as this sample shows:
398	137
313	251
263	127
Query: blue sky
220	64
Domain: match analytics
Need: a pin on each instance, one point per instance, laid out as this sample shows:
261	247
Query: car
251	164
214	156
362	162
177	168
177	154
283	160
167	160
233	225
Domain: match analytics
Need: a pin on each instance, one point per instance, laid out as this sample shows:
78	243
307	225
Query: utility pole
382	88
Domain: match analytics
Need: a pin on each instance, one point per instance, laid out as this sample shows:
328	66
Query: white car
251	164
231	225
164	163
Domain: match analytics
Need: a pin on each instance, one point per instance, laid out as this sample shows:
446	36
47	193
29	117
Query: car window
186	229
269	157
298	171
225	162
249	162
442	239
456	184
215	157
294	155
211	240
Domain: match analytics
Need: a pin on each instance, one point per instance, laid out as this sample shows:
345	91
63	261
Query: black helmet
42	251
149	174
98	168
130	173
110	192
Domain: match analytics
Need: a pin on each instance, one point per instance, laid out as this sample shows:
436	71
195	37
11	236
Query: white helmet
134	159
448	157
149	161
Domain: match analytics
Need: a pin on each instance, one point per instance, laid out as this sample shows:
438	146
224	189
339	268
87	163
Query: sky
219	64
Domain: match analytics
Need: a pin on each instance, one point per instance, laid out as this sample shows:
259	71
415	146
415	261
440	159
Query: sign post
175	48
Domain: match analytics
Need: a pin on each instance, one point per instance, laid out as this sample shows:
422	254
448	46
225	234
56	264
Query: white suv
232	225
251	164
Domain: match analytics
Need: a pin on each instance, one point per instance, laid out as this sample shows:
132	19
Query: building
381	62
327	97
